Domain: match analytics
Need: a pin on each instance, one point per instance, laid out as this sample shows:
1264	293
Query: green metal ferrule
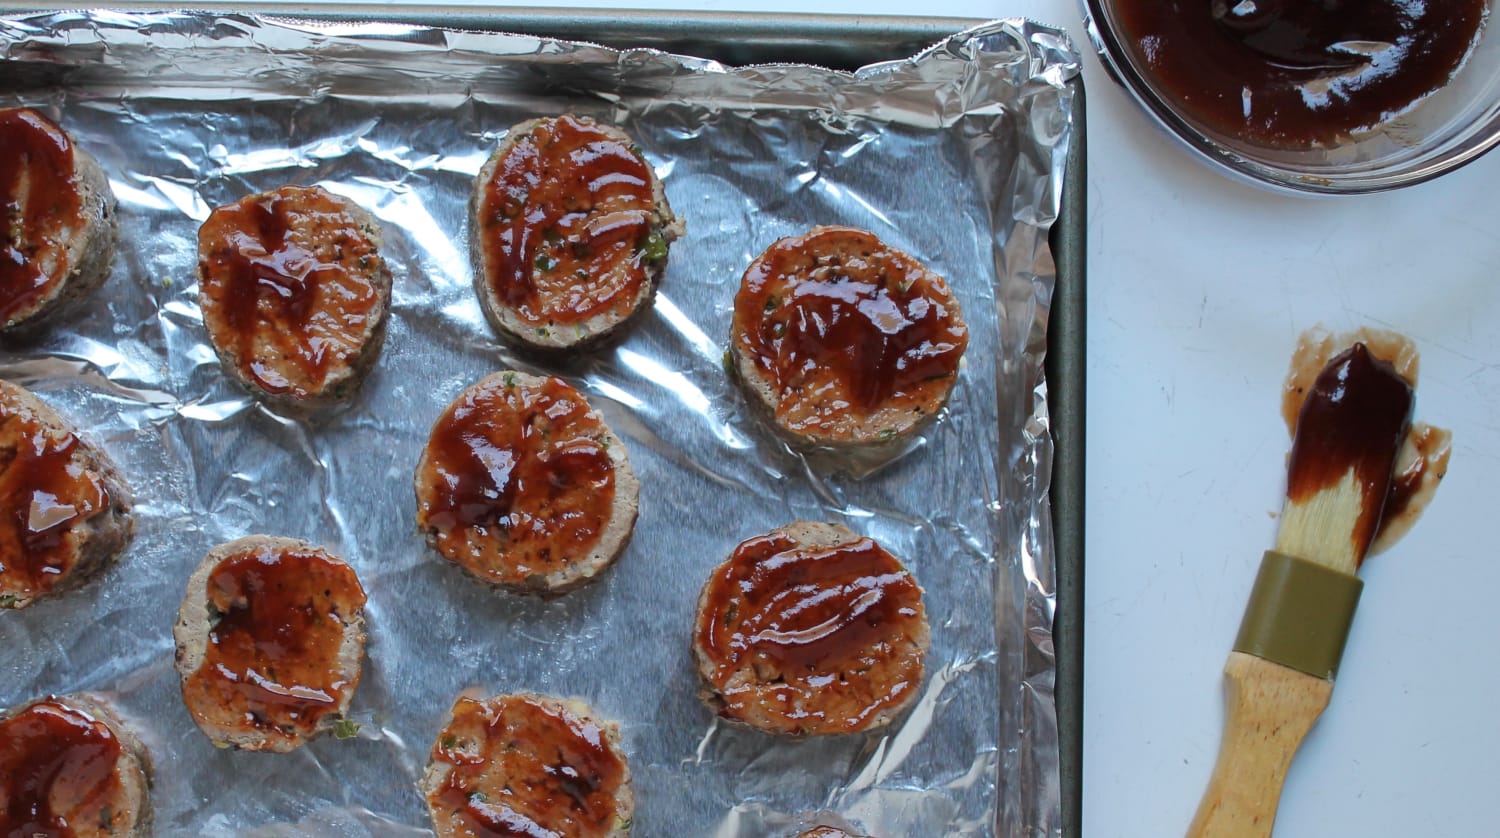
1299	614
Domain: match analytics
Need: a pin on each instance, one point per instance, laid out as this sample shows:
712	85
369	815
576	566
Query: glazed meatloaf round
70	766
270	642
844	340
811	629
294	293
569	228
528	765
524	486
64	508
58	230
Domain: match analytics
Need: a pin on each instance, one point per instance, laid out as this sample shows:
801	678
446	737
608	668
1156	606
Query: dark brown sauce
277	621
271	265
1354	419
46	492
523	769
52	752
520	465
1295	73
39	204
874	327
812	614
568	213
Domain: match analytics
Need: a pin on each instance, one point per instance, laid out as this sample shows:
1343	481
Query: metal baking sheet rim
846	42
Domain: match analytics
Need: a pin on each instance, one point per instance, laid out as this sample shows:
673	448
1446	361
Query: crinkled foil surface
955	156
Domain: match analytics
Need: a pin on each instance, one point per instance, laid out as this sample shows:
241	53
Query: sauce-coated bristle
1349	432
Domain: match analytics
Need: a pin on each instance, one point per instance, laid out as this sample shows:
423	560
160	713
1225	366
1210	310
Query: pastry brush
1280	674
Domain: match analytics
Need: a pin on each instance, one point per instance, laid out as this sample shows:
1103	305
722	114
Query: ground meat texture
811	630
522	485
294	292
527	765
64	513
57	226
276	664
846	340
67	771
570	230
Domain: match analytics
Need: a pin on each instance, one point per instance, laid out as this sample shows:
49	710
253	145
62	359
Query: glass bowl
1452	126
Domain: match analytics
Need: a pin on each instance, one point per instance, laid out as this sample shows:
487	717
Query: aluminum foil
955	156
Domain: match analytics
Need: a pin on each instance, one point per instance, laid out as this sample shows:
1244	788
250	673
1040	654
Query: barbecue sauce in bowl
1297	74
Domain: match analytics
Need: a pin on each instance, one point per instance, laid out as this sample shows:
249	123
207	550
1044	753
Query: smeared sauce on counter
57	769
521	767
1298	73
40	209
1422	461
517	480
826	634
568	213
277	620
844	327
288	280
47	491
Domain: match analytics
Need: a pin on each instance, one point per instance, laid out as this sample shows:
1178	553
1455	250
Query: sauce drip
57	769
1354	418
821	619
568	215
517	481
523	768
1298	73
47	491
40	209
277	621
288	282
843	326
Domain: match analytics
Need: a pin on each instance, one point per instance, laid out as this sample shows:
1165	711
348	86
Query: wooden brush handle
1270	709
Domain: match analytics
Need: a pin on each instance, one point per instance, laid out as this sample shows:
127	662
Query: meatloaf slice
569	232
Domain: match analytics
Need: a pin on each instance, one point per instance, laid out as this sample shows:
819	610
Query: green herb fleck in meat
655	247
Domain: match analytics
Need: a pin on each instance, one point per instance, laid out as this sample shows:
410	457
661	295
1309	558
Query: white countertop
1198	289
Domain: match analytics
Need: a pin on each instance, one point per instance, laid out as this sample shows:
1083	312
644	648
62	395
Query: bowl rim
1113	54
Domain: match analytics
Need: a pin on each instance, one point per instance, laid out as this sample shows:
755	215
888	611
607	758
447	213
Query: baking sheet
955	157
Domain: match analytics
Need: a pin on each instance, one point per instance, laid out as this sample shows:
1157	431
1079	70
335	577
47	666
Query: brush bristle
1317	529
1351	426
